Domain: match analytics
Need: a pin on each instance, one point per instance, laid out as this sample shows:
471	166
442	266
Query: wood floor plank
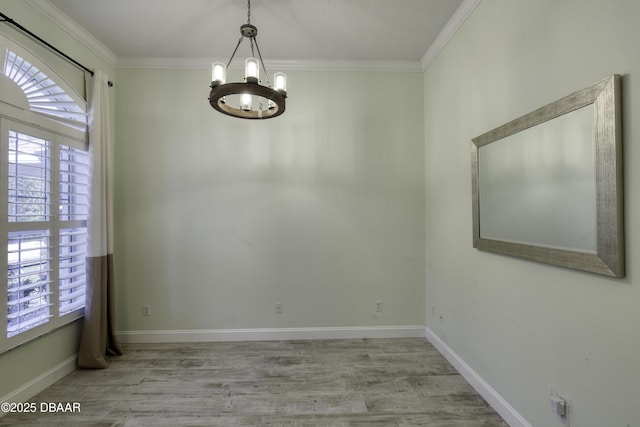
336	383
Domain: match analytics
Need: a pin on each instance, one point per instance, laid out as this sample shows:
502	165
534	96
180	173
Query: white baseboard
271	334
501	406
41	382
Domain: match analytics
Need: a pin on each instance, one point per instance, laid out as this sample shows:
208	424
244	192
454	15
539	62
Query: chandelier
250	99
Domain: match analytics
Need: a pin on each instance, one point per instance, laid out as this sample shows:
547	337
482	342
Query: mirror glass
539	185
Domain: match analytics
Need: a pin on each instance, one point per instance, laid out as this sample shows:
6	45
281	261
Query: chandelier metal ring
220	91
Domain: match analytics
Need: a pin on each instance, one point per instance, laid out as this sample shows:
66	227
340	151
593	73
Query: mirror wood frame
608	258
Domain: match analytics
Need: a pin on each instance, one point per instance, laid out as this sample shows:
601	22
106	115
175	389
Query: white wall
321	209
530	328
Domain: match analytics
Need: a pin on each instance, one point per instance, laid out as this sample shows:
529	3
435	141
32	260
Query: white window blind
29	178
74	184
29	281
73	215
43	94
72	273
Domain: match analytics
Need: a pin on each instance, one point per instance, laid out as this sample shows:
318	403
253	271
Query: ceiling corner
457	19
76	31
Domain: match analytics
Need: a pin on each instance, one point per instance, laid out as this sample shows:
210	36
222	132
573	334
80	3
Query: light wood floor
370	382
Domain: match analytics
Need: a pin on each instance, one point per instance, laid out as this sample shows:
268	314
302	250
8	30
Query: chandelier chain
234	51
248	11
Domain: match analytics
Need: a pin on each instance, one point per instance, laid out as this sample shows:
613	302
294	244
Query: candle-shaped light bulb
280	82
218	73
251	70
245	102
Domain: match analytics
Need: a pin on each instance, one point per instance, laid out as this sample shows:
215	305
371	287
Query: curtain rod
8	20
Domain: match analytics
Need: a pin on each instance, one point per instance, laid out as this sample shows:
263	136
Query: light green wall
321	209
525	327
21	365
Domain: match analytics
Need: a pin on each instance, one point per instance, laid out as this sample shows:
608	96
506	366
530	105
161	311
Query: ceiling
288	30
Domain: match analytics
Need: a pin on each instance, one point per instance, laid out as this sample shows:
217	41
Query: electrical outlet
559	406
378	306
146	310
278	308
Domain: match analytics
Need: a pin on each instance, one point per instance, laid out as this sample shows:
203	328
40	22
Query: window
46	178
44	187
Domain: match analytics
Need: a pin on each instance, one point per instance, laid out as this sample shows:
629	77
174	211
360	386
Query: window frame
13	119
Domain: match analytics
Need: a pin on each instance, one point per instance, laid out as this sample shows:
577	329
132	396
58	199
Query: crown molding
274	64
94	45
72	28
461	14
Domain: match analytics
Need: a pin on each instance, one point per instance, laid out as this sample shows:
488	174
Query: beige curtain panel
98	337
